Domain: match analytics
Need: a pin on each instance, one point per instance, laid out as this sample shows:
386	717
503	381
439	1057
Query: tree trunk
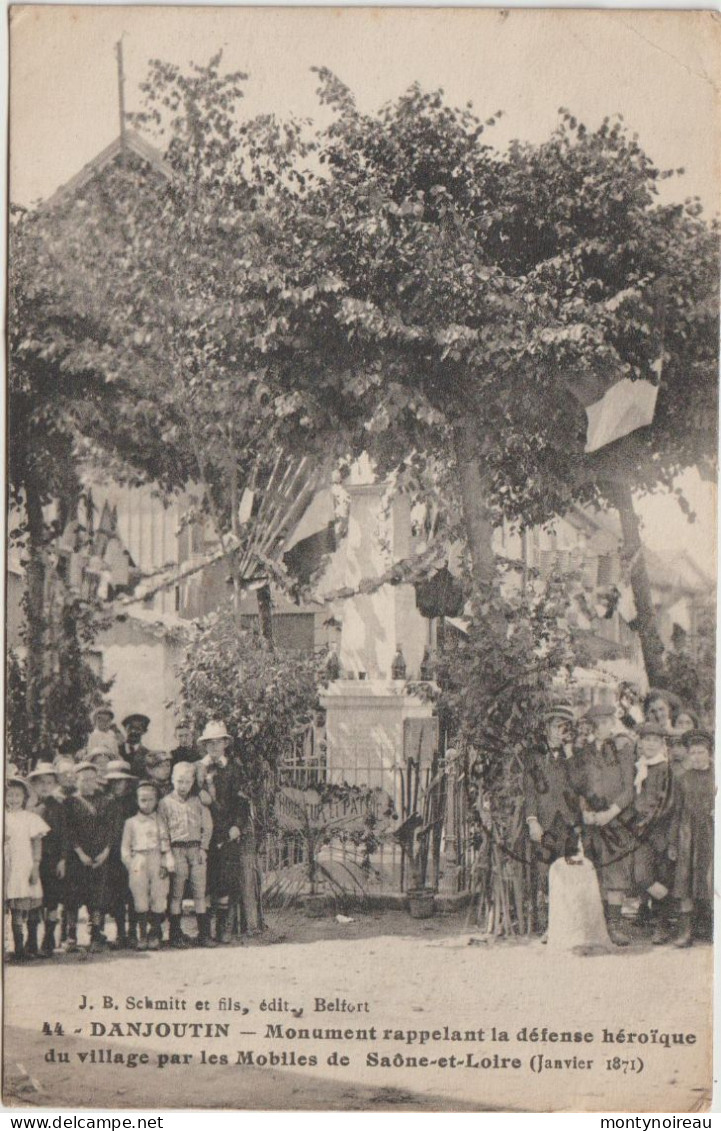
264	612
619	492
476	514
35	615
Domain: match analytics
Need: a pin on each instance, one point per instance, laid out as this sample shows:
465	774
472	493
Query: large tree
443	298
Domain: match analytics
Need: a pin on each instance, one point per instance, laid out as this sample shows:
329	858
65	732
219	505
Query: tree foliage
264	698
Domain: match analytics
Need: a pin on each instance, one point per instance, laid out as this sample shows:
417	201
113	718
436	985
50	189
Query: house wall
364	731
373	624
143	667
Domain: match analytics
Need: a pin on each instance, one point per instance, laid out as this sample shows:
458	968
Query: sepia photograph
360	560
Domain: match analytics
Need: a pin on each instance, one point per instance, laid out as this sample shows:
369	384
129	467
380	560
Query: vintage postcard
360	566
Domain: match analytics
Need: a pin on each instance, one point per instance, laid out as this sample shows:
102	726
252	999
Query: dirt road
396	987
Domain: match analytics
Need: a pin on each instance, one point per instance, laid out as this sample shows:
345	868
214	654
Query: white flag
623	408
245	507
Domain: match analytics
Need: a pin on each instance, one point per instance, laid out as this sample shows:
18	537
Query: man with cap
102	738
650	823
135	726
692	840
44	780
223	781
603	774
86	851
552	805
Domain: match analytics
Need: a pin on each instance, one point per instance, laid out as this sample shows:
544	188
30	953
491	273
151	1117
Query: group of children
93	834
636	786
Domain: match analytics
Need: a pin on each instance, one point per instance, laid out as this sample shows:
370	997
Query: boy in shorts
186	827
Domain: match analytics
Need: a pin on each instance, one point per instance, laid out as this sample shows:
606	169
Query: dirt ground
404	977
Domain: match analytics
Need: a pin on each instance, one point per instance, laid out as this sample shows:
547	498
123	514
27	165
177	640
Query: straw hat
213	729
42	769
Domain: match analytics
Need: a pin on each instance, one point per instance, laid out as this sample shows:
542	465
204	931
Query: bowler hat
213	729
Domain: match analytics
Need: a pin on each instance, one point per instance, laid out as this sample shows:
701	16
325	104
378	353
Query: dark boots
98	941
614	923
177	939
142	930
18	941
155	934
121	937
31	947
48	948
222	925
204	937
660	916
684	936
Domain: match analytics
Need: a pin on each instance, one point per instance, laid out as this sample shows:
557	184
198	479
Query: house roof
678	571
130	142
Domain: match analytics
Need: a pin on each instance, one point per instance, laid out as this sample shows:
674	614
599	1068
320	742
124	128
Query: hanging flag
622	409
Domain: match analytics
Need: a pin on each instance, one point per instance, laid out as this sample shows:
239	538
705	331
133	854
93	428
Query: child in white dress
24	830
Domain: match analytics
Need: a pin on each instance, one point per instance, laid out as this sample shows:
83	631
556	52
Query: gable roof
131	143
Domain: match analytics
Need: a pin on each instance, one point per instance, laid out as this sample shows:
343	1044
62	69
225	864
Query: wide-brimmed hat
696	737
103	710
15	780
118	770
213	729
42	769
136	717
118	765
646	730
85	766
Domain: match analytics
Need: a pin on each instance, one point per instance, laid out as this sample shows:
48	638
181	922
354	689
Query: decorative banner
299	810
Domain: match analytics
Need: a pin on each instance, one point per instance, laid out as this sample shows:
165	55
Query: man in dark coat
692	840
553	812
651	823
223	784
185	751
552	805
134	751
603	773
